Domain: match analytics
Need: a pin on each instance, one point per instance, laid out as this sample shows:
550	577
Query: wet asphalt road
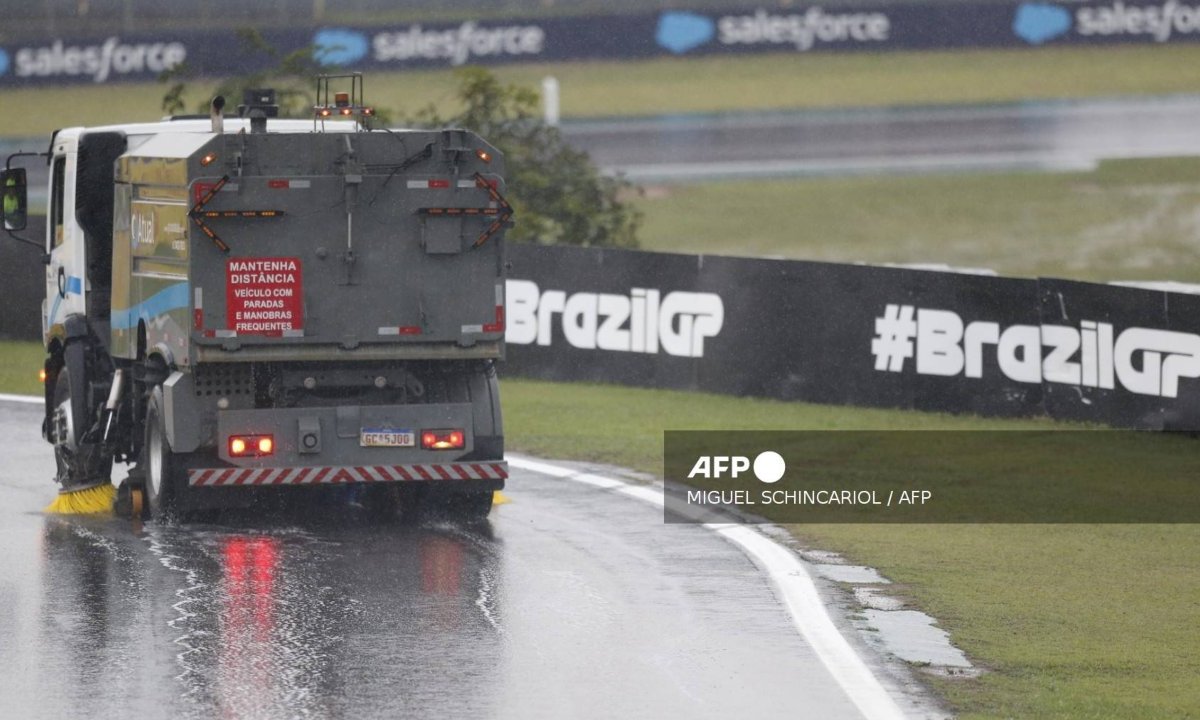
1052	135
569	603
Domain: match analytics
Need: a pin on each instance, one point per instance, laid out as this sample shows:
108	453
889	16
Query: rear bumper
492	474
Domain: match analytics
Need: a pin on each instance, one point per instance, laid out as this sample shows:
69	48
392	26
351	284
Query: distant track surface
1042	135
1056	135
570	602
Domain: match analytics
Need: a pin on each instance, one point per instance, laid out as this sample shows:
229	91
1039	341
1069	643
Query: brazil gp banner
856	335
792	330
799	28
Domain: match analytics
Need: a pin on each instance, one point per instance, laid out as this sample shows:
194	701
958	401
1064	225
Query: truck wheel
163	477
473	505
78	463
460	505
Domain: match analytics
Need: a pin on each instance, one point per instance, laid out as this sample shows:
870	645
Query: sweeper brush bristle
91	501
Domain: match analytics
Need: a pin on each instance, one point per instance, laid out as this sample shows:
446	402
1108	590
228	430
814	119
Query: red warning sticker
263	296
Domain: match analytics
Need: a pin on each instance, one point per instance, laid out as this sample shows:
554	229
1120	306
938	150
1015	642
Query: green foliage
559	195
291	75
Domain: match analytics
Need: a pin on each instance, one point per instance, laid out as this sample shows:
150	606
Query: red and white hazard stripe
231	477
430	184
198	308
496	325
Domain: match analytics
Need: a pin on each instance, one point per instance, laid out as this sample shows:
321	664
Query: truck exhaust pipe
215	114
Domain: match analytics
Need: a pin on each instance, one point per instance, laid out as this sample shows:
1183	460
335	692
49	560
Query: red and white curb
240	477
792	584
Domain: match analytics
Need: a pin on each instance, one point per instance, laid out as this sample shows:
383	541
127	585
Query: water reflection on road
296	618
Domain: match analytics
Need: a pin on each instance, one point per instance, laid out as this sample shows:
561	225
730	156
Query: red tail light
442	439
251	445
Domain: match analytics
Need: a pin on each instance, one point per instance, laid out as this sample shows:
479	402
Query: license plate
386	437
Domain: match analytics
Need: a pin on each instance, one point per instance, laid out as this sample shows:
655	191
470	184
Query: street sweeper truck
245	306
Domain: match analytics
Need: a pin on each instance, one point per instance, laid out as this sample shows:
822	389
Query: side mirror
16	198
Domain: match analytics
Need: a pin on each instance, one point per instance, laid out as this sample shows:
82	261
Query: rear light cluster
442	439
251	445
247	446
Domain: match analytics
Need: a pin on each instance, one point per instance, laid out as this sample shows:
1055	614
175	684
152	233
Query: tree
559	195
291	75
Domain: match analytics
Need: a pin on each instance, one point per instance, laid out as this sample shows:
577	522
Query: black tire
472	506
454	505
164	476
78	464
382	502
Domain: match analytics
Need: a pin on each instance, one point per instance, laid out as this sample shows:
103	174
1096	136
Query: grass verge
1070	621
1129	219
709	84
19	366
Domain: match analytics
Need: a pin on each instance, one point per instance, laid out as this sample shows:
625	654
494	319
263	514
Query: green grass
19	366
669	85
1069	621
1134	219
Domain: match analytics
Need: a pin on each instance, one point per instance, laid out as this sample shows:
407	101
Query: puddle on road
883	621
912	636
853	574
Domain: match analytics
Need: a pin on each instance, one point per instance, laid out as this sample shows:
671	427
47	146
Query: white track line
792	584
27	399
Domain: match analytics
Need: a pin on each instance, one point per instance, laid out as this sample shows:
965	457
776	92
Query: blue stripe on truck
170	298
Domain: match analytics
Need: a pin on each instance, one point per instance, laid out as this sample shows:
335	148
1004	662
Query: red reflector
251	445
442	439
278	184
439	184
497	326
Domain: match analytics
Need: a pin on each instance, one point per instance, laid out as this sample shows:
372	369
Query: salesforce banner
802	28
856	335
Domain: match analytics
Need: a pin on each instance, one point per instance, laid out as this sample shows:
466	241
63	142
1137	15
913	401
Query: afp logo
768	467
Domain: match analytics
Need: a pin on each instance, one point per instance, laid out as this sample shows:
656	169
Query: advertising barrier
822	332
857	335
869	26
